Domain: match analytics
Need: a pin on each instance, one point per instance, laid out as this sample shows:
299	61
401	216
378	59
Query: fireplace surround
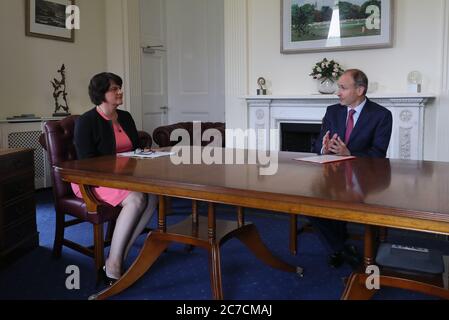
271	112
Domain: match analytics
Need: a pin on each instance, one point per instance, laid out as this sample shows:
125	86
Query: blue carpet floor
182	275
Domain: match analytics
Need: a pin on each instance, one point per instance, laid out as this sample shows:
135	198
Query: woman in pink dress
106	130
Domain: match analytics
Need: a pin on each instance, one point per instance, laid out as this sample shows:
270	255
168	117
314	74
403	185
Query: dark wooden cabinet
18	230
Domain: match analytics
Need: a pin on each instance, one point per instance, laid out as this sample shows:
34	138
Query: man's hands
338	147
334	145
326	142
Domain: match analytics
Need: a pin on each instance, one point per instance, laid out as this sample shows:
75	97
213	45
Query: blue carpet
184	275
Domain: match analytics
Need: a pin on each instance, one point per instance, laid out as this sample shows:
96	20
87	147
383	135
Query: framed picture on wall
47	19
330	25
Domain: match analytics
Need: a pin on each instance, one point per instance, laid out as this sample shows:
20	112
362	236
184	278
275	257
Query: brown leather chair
57	140
161	135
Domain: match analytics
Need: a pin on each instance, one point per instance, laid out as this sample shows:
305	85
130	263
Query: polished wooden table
409	195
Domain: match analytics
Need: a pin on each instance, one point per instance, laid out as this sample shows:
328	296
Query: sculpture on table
59	87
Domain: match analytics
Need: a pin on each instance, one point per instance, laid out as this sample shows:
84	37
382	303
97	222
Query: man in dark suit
359	127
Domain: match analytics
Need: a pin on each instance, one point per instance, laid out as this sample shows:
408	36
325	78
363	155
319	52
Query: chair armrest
162	134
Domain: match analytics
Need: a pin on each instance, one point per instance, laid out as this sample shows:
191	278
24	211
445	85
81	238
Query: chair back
161	135
57	140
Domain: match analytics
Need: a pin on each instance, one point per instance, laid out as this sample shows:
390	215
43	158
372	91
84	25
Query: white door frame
123	51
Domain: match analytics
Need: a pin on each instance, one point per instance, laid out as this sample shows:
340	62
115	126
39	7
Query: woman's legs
129	217
152	201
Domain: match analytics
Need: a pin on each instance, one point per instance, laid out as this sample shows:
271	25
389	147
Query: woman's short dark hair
99	85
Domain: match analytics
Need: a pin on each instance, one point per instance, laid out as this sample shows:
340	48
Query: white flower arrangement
325	69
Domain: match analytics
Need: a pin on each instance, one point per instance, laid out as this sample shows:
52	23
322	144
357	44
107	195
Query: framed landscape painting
47	19
330	25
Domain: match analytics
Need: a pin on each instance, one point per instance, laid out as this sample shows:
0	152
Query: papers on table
145	154
326	158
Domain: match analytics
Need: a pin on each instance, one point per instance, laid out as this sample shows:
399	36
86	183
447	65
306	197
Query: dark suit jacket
94	136
371	134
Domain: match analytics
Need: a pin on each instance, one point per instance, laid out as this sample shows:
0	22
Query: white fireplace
268	112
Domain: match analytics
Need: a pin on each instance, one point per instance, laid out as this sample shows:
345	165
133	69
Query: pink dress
109	195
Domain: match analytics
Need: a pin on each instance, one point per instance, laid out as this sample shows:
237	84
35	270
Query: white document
325	158
149	154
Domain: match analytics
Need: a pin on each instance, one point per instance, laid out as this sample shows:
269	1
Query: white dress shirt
358	111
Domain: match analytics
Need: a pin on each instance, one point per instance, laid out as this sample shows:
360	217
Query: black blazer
94	136
371	134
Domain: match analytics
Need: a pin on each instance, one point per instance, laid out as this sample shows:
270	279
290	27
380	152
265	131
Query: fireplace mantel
268	112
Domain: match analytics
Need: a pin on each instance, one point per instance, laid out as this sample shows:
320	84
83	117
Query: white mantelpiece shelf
269	111
334	97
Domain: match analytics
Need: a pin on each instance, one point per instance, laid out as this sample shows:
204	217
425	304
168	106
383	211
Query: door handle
164	108
153	49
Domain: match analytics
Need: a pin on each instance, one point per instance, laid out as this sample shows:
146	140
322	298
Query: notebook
325	158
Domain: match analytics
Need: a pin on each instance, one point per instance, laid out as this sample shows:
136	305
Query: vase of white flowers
327	73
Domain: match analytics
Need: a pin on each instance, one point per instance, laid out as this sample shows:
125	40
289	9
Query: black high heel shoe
102	276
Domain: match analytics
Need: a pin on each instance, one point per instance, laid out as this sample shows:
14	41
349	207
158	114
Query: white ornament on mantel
268	112
414	81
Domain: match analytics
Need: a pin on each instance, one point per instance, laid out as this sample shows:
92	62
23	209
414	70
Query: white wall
418	45
442	114
28	63
115	37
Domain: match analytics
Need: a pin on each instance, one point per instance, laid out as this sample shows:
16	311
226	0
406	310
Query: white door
195	53
153	64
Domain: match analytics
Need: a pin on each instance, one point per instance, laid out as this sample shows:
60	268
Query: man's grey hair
360	78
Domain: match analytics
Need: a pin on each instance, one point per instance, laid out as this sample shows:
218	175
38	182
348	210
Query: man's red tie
349	125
